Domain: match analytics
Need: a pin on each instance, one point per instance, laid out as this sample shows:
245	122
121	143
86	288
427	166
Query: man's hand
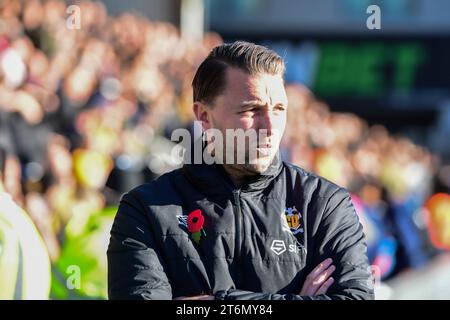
202	297
319	280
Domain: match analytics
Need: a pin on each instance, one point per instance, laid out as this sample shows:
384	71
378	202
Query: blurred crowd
86	114
390	178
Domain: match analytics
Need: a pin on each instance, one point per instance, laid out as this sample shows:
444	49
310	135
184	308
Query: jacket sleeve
135	267
338	235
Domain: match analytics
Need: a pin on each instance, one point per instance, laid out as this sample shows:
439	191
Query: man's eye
248	111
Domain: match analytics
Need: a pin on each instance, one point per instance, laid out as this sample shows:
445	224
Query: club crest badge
182	221
294	220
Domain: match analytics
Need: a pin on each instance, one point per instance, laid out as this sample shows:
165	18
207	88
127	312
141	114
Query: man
262	229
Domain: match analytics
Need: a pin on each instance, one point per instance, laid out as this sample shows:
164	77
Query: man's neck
238	174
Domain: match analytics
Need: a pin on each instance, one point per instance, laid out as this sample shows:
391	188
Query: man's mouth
264	149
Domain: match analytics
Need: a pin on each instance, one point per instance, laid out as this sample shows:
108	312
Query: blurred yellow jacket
24	262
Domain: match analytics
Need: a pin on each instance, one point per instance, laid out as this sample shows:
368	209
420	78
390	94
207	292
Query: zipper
238	244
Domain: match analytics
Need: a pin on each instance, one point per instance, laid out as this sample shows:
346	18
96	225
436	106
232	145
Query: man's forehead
243	86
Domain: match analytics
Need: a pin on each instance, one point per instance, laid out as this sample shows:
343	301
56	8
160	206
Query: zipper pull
236	194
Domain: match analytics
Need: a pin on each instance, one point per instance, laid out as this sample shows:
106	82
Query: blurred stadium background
87	113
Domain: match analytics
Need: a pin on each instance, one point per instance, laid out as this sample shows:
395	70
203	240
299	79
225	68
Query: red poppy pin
195	223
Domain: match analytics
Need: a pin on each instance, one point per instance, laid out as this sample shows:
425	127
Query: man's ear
202	113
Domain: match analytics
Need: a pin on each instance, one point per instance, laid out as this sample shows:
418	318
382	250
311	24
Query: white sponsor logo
278	247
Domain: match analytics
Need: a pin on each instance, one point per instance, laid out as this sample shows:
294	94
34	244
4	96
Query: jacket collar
214	180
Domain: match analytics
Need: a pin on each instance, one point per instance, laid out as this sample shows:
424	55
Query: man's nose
265	120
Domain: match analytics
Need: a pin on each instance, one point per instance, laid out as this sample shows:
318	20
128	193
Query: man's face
249	103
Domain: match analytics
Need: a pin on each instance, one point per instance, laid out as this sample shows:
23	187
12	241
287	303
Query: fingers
325	286
322	277
318	281
321	267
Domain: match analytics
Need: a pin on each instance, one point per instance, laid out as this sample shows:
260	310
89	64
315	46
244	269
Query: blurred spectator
438	209
24	261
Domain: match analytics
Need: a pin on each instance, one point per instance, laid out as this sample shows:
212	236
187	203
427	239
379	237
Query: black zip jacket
259	241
